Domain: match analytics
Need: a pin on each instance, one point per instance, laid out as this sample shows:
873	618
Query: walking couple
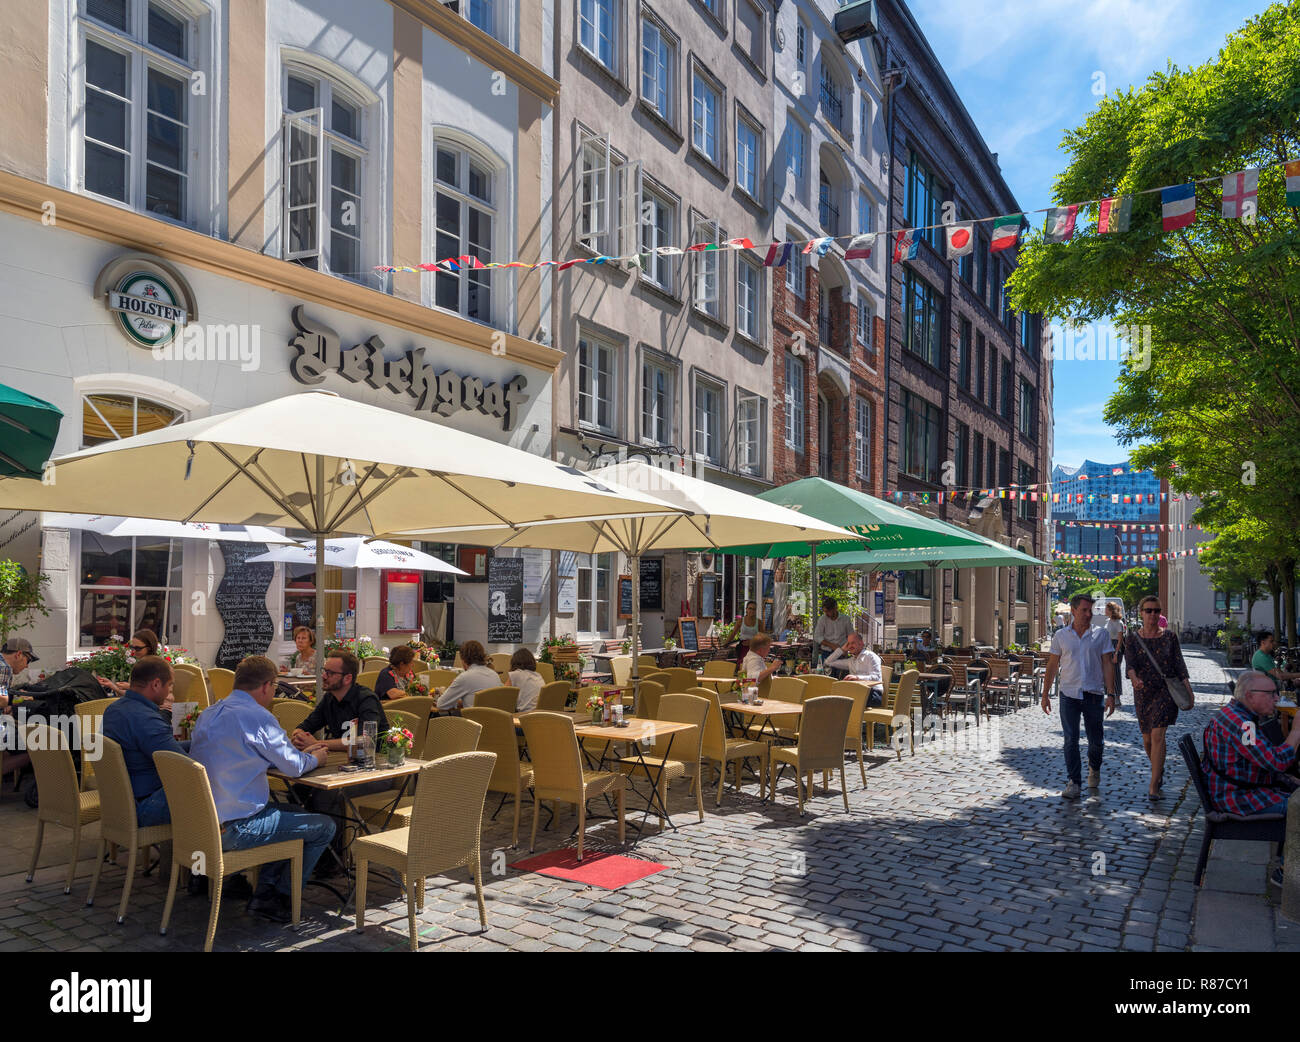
1084	656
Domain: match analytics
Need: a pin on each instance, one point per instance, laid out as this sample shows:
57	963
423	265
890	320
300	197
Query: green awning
993	555
884	525
28	427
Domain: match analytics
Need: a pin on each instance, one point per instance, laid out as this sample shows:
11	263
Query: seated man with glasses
344	701
1246	770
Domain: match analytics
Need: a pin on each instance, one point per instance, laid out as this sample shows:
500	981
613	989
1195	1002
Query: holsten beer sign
444	393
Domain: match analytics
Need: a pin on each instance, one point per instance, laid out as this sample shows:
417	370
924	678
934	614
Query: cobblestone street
967	844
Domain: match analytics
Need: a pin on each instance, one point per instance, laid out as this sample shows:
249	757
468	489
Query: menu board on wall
241	603
652	584
625	596
505	600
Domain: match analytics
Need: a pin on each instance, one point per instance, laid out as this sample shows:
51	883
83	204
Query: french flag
1178	206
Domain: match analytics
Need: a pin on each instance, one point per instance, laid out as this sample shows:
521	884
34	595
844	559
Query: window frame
923	185
718	389
743	399
657	265
796	160
598	608
753	330
964	334
668	42
580	23
917	291
754	189
862	431
711	86
930	417
652	363
497	211
707	268
584	388
795	408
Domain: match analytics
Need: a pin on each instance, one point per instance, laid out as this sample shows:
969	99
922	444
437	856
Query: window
796	273
1008	316
921	438
981	268
991	468
966	263
608	193
801	48
658	61
979	366
485	14
465	216
797	154
865	315
993	377
864	214
749	433
596	30
300	597
324	168
960	453
828	212
136	115
1004	468
594	593
705	105
129	584
597	371
977	459
708	421
1028	419
963	355
831	96
110	417
1007	399
795	392
921	321
658	229
658	398
862	439
868	118
748	155
914	582
956	596
1029	333
1022	589
707	293
1024	478
925	195
748	299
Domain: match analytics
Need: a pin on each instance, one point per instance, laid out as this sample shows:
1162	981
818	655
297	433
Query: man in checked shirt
1245	770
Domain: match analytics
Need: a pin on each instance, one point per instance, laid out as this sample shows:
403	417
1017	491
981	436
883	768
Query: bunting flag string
1131	526
1165	555
1240	193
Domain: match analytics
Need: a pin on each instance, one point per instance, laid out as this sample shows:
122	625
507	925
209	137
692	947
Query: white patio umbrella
355	552
711	516
147	527
326	465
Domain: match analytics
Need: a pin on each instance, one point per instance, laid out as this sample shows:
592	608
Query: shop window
129	584
300	600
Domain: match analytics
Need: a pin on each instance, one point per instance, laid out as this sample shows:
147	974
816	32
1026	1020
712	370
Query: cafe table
332	776
764	711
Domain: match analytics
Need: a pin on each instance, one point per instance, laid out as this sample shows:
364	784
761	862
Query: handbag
1178	688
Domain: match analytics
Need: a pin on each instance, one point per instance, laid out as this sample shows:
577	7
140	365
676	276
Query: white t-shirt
467	685
1081	659
530	684
753	665
1115	628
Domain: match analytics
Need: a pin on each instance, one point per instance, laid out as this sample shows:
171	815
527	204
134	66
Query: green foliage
22	597
840	583
1132	585
1216	406
1073	577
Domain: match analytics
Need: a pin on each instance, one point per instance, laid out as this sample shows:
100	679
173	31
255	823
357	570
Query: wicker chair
680	680
369	678
648	662
510	777
826	720
649	700
439	677
685	748
222	682
416	711
786	689
621	667
504	698
290	714
446	832
816	685
373	662
659	676
558	774
858	691
547	672
449	735
189	684
118	824
554	696
196	840
62	802
902	706
90	721
718	748
500	661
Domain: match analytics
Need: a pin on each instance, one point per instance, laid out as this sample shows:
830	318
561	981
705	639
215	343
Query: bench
1270	828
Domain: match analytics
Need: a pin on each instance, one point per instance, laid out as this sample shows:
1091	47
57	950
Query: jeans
1090	707
275	824
153	810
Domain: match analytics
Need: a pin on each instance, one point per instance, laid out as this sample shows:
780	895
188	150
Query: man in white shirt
832	629
861	663
1083	656
755	665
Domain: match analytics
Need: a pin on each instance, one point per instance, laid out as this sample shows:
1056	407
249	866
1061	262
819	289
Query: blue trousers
275	824
1091	708
153	810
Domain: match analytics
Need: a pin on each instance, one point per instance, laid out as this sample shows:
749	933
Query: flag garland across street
1239	201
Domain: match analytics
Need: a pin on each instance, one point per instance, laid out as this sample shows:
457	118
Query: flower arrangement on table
188	722
669	644
363	647
424	651
416	689
397	742
802	667
626	647
596	703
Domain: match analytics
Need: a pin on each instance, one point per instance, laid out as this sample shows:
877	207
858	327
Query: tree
21	597
840	583
1072	577
1132	585
1211	399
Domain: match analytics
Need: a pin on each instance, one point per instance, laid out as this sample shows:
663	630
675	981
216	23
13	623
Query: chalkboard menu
625	596
689	634
768	610
652	584
241	603
505	576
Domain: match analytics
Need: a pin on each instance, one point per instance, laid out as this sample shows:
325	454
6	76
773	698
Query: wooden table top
330	776
638	729
770	707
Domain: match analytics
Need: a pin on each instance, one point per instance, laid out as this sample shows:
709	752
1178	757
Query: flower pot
596	717
396	756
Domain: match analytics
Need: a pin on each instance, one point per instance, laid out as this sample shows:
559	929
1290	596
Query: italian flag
1293	184
1006	232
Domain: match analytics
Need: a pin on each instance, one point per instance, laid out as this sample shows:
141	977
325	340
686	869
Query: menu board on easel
689	635
625	596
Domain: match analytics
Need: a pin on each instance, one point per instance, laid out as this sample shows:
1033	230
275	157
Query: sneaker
1072	791
1275	876
276	908
1094	777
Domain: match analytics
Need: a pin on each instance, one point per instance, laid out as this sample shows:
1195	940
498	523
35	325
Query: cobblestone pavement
968	844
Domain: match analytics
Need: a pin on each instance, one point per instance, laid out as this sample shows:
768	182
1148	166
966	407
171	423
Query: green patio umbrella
28	427
994	555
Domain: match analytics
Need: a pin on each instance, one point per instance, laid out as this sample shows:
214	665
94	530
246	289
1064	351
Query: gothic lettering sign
441	393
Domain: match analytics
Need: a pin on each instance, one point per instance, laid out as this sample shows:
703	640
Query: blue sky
1026	71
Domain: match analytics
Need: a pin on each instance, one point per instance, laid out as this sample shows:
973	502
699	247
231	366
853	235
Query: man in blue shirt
237	740
135	722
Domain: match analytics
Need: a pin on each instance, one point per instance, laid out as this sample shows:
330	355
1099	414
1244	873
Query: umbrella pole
634	566
320	577
812	608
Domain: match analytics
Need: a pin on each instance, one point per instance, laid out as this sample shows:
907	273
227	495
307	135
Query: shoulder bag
1179	690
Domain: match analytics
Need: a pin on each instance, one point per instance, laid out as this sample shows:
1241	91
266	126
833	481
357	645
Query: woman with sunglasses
1156	710
142	643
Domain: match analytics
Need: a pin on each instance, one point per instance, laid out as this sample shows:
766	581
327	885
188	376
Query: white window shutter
303	131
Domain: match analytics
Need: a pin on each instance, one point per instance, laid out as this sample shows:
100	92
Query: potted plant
626	647
448	652
596	704
112	662
669	644
397	741
416	689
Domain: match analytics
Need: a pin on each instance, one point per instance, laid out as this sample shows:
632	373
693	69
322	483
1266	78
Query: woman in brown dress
1155	708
